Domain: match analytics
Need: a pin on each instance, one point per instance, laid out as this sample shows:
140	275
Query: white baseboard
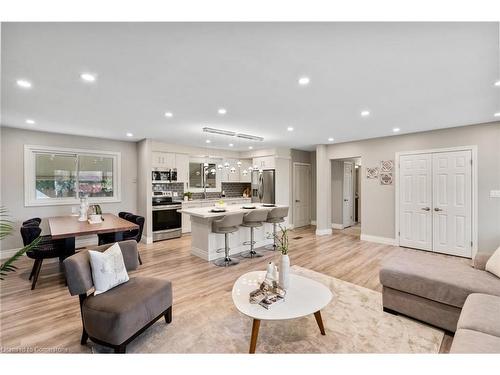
313	222
323	232
377	239
337	226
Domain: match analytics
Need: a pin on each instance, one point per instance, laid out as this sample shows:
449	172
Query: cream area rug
354	323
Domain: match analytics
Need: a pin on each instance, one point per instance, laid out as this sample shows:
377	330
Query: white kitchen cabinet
246	164
164	160
237	176
186	219
265	162
182	165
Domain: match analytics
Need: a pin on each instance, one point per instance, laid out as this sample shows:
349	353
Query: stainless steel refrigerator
263	186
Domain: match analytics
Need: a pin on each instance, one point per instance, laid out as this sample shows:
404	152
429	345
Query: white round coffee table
304	297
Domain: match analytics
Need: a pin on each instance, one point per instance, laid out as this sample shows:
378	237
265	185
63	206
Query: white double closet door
435	202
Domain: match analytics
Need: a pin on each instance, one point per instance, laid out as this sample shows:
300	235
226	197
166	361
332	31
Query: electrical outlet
494	193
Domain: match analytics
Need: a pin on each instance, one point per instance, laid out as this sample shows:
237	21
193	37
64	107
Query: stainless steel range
167	222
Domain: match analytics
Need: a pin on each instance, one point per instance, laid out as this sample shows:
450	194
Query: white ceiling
414	76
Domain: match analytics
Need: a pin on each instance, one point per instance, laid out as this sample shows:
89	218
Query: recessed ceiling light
304	81
231	145
290	128
208	141
23	83
497	83
497	114
365	113
330	139
395	130
30	121
129	134
169	114
222	111
88	77
250	147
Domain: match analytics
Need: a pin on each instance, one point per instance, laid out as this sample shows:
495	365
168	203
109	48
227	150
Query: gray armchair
118	316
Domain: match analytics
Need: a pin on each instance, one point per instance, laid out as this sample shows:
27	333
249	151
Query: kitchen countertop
205	213
214	199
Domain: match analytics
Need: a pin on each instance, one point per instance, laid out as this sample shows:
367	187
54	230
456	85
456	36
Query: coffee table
304	297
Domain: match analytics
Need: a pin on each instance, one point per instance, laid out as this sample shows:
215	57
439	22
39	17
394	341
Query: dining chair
45	249
135	234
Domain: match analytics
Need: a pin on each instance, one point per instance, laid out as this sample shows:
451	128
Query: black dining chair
135	234
36	220
45	249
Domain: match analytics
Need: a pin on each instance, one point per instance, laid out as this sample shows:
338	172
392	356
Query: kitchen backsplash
232	189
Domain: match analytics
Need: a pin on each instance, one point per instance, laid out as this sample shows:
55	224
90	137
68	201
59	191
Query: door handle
438	209
426	209
296	200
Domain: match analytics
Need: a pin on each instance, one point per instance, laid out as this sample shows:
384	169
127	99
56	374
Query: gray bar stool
228	224
275	216
253	220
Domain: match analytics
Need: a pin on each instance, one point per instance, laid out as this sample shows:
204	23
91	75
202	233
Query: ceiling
412	76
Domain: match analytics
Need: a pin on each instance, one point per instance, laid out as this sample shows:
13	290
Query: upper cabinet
182	165
170	160
265	162
163	160
232	172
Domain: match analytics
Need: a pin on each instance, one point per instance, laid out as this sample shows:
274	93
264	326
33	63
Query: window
61	176
200	174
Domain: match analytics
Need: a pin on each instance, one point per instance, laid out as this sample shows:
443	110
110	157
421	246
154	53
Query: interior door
415	201
452	196
302	195
348	194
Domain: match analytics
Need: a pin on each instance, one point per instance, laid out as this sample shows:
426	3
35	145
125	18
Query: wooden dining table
68	227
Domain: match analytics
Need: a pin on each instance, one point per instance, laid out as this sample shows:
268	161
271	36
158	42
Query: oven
167	222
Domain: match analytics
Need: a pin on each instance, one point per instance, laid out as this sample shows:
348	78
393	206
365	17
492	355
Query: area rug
354	323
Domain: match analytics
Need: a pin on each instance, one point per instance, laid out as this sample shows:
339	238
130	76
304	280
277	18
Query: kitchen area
184	182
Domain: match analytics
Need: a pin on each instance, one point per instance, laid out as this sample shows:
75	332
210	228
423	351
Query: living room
250	188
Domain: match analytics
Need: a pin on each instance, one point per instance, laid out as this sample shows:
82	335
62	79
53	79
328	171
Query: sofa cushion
493	264
469	341
116	315
444	280
481	312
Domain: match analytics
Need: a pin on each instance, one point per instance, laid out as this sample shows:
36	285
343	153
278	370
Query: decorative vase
284	274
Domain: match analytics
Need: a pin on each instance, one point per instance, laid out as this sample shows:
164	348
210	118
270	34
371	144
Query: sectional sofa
447	293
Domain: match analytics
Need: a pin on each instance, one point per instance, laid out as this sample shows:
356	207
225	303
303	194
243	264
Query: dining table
67	228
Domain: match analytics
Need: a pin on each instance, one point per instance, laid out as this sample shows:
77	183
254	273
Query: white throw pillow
108	269
493	264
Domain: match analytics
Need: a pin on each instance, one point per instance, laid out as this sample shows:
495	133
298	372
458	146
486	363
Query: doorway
435	201
346	195
301	194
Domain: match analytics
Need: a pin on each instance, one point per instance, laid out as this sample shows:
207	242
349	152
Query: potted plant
282	244
188	195
6	229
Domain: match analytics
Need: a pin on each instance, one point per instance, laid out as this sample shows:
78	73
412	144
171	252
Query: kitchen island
204	243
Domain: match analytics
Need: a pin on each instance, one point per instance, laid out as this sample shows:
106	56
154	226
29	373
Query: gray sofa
118	316
434	290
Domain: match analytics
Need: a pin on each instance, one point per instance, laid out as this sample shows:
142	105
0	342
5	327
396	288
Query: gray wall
378	203
12	174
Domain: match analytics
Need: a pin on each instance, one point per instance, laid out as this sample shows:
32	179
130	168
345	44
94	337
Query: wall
12	175
144	187
313	187
378	203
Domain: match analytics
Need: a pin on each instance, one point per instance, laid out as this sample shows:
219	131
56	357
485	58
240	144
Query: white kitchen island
204	243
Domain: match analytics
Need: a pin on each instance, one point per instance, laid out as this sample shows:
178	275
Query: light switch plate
494	193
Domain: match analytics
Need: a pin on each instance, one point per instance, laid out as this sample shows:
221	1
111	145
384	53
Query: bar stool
228	224
253	220
275	216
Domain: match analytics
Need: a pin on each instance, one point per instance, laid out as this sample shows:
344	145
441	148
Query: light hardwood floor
48	317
